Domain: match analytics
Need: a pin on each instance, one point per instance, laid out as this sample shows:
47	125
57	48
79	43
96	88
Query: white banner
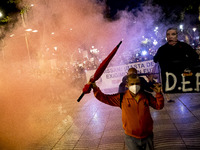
112	76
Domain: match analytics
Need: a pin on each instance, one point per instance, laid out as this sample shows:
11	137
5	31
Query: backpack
121	98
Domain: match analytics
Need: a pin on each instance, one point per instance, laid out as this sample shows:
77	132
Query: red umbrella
99	71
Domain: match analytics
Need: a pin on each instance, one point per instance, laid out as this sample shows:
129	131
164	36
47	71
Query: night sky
173	10
8	8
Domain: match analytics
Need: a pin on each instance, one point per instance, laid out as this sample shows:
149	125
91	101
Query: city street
50	49
93	125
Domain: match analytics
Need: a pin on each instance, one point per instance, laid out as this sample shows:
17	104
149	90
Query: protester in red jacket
136	117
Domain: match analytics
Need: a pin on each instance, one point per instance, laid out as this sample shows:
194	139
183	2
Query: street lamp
1	14
194	29
181	27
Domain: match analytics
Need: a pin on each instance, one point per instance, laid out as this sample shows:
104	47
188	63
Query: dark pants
139	144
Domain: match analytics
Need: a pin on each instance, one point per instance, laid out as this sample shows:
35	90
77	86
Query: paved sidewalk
92	125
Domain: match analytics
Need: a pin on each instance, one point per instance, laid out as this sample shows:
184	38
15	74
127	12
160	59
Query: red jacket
136	117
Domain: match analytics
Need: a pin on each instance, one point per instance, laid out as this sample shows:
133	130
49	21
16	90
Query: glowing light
182	109
55	48
79	50
28	30
92	59
181	27
80	65
12	35
52	33
32	5
156	29
94	50
1	14
144	52
155	42
70	29
194	29
35	31
95	117
145	41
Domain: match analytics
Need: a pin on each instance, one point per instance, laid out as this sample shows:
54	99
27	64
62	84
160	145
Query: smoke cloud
38	66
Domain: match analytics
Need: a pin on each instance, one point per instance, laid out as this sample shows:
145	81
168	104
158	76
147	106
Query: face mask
134	88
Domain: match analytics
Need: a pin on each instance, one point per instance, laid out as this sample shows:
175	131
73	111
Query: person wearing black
175	56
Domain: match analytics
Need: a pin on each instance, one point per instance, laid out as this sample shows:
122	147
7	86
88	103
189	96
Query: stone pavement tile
92	125
65	145
111	133
112	146
92	129
114	125
194	107
89	144
160	117
190	133
192	142
167	138
184	120
196	113
166	127
91	136
111	138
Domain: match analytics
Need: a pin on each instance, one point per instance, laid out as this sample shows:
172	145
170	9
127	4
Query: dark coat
177	57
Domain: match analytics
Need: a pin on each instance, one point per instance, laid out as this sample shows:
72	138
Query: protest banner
112	76
174	82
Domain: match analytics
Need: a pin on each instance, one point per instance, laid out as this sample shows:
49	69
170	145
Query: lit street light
181	27
1	14
194	29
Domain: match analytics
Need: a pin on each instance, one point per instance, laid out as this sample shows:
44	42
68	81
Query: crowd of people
146	52
135	94
77	68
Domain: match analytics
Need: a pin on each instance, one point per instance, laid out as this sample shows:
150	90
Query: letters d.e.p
170	86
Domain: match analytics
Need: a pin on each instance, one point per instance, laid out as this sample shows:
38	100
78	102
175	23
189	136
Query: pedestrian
144	84
175	56
136	117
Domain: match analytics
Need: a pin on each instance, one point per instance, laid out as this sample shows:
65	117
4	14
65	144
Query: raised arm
113	100
157	102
